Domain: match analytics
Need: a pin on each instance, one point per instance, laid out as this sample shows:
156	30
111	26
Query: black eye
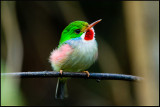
77	31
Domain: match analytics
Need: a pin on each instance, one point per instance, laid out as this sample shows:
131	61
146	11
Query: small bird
76	52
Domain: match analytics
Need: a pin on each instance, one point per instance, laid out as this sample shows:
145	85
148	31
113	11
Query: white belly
84	55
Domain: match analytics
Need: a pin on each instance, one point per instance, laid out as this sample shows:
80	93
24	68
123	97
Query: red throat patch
89	34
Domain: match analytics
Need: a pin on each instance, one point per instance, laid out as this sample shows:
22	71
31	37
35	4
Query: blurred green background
128	43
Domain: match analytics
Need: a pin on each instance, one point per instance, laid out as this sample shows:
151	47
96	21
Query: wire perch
97	76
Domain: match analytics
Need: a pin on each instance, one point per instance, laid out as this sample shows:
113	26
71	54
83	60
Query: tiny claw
61	71
86	73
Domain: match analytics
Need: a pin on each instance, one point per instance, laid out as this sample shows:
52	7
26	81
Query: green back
69	32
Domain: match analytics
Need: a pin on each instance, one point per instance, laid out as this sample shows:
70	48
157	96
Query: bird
76	52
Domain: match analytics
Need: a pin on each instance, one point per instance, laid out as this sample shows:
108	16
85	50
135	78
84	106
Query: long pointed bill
93	24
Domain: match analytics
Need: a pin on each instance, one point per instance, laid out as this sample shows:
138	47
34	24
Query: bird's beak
93	24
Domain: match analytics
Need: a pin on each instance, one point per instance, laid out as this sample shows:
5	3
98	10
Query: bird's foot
86	73
61	71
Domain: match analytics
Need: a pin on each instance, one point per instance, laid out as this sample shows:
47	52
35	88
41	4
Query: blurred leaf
10	94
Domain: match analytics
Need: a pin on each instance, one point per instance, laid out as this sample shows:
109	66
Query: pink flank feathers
59	56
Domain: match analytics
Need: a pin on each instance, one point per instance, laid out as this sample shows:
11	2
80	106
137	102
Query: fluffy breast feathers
74	56
60	55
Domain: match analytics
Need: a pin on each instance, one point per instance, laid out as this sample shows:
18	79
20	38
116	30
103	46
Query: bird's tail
61	89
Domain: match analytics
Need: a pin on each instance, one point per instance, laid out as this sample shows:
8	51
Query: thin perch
97	76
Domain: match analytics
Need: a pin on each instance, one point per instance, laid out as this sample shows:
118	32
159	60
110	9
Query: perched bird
77	51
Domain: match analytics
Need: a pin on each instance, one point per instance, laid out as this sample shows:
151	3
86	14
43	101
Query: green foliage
10	93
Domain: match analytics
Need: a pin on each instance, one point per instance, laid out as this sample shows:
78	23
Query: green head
76	29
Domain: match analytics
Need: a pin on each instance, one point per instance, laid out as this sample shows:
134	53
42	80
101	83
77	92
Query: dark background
127	40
